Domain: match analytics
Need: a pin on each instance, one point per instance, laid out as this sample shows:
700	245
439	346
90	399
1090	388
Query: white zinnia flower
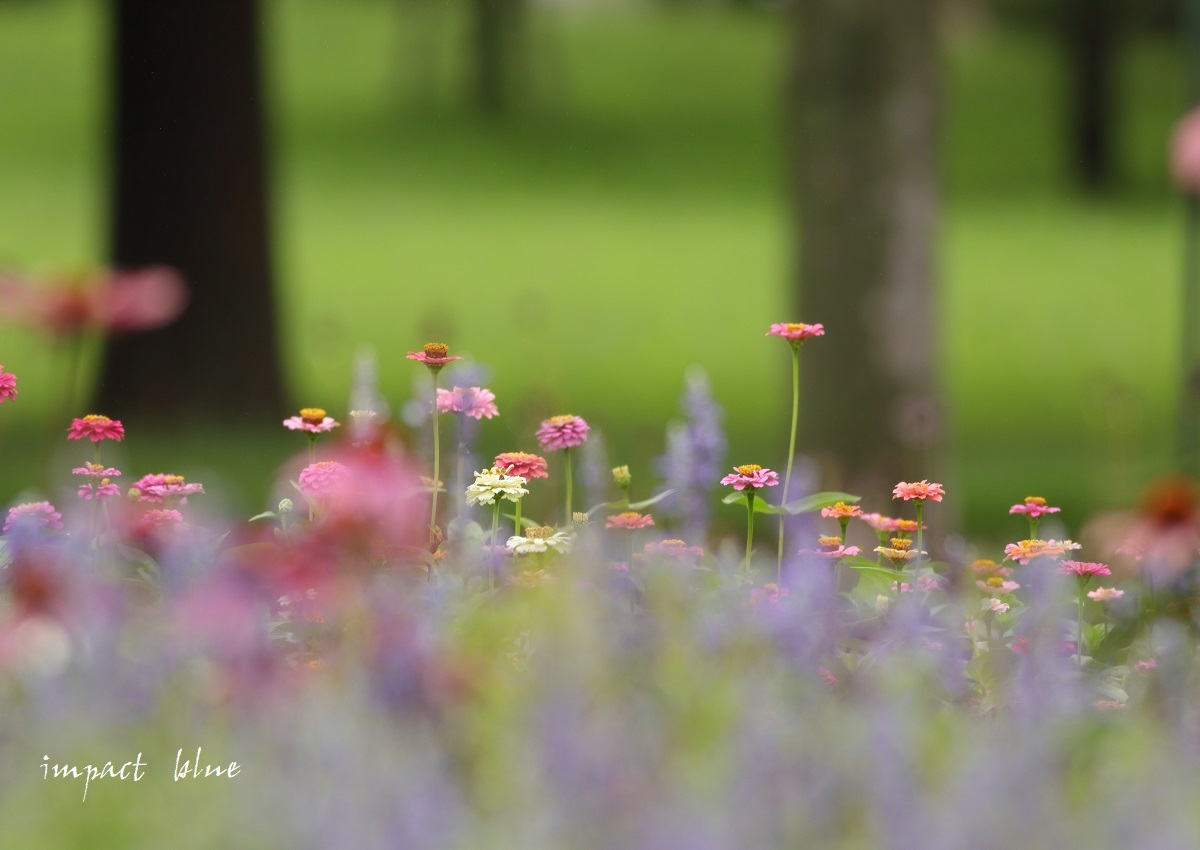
493	483
537	540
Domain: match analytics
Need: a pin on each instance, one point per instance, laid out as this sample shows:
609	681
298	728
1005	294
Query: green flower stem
920	503
787	477
437	467
492	547
567	464
881	536
1033	526
749	524
1079	626
517	518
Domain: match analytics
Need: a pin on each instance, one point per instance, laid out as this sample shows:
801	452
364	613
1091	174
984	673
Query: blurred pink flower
998	586
96	470
317	479
524	464
1185	152
33	515
918	490
675	550
1083	569
102	491
475	402
8	385
795	332
751	476
107	300
1105	594
1033	507
563	432
95	427
630	520
158	487
311	419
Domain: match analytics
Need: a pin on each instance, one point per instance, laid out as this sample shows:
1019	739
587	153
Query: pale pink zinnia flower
997	607
33	515
475	402
8	385
1083	569
317	479
1105	594
1033	507
314	420
998	586
841	510
630	520
831	548
95	427
919	491
101	491
676	550
524	464
435	355
795	332
157	487
562	432
752	477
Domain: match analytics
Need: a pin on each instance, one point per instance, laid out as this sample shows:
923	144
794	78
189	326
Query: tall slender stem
437	466
787	477
920	528
492	540
749	525
517	518
1079	628
567	464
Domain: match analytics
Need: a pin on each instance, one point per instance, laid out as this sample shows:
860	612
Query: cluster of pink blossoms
476	402
158	487
562	432
104	488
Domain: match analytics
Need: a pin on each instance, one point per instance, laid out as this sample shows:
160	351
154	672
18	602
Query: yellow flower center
1035	500
95	468
561	420
312	415
796	326
749	469
96	417
673	543
437	349
830	542
172	479
982	563
544	532
995	581
900	544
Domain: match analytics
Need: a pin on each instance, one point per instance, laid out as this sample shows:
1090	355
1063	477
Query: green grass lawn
631	222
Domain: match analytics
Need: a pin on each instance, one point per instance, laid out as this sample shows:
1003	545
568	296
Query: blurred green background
628	221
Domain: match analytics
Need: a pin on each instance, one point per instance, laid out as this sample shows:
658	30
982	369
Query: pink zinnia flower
562	432
676	550
524	464
751	476
33	515
102	491
317	479
1105	594
8	385
157	519
313	420
919	491
1033	507
96	470
157	487
1083	569
997	607
475	402
435	355
96	428
998	586
629	521
795	332
842	510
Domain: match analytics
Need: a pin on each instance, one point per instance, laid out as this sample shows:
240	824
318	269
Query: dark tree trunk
1090	41
864	107
189	191
496	48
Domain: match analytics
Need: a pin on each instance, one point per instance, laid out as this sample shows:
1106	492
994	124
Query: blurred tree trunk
1090	41
189	190
497	43
864	133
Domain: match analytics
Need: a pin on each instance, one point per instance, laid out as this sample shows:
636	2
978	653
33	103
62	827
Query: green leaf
816	501
866	567
645	503
761	505
526	522
263	515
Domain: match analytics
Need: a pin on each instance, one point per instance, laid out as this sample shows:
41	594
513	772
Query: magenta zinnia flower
317	479
95	427
33	515
524	464
630	520
8	385
751	476
313	420
918	490
1083	569
795	332
157	487
102	491
1033	507
562	432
